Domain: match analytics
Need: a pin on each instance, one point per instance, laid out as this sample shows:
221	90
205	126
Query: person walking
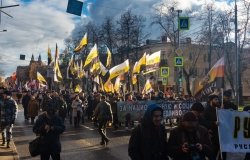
77	110
33	108
148	140
25	103
49	127
103	113
8	117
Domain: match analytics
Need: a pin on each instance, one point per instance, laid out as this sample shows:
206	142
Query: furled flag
119	69
57	72
108	63
213	80
40	78
70	71
152	62
83	43
49	56
117	84
135	71
93	54
147	88
80	70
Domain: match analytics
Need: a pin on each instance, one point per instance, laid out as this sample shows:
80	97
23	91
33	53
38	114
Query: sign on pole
183	23
164	81
164	71
75	7
178	61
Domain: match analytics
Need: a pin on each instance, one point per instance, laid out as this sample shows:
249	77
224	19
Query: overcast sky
39	23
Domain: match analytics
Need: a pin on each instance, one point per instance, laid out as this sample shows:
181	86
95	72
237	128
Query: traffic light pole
180	69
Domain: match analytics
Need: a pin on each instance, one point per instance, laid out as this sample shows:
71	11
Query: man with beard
189	140
211	123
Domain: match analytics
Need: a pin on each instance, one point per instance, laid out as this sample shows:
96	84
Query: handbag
34	146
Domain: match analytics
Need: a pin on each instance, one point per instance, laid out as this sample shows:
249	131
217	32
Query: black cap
227	93
197	106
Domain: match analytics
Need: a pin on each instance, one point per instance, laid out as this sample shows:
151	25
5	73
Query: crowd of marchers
195	136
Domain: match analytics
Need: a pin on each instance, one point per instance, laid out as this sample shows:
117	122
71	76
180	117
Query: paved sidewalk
8	153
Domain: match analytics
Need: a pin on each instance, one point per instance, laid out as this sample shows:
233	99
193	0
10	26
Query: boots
8	144
3	143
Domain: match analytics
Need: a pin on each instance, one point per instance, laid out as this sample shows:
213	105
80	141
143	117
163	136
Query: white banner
234	130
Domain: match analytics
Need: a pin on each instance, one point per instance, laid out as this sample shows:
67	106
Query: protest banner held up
234	130
136	109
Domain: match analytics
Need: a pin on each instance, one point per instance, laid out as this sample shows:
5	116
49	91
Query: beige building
195	58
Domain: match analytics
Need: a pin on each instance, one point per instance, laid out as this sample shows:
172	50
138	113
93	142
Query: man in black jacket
148	139
25	103
49	126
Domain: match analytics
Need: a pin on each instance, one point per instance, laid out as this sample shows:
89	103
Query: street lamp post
5	30
236	57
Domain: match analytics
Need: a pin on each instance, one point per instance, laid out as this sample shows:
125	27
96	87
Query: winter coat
51	139
178	136
33	108
103	111
10	111
25	101
76	107
148	142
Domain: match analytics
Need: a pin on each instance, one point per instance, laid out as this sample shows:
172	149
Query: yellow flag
96	67
49	56
82	43
119	69
81	71
103	69
108	58
57	72
78	89
108	87
40	78
134	79
117	84
136	68
147	88
91	56
142	61
152	62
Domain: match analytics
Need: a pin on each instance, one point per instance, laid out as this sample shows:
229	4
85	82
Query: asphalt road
79	143
82	143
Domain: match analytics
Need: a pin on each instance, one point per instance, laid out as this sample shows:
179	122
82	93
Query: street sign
164	81
183	23
179	51
178	61
164	71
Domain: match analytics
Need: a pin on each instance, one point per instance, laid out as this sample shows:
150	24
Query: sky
37	24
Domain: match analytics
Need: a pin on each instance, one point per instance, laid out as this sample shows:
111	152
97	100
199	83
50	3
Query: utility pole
236	57
180	68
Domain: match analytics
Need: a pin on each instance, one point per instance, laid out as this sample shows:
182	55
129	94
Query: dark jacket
178	136
25	101
10	111
52	138
103	111
148	142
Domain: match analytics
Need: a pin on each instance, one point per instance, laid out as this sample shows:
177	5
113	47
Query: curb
14	151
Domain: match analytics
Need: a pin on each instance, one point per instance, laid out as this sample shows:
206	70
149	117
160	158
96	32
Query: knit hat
197	106
189	116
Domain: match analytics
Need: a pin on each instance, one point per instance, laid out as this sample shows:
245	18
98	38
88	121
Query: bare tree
129	31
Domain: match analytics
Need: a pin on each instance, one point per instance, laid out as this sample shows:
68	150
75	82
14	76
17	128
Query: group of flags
103	74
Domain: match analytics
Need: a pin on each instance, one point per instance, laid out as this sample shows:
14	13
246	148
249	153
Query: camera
192	147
